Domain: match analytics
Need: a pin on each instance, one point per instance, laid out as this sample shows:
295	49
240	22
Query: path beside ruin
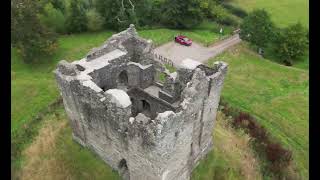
176	52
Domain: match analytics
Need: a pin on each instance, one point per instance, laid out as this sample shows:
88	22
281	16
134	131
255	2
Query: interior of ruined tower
122	64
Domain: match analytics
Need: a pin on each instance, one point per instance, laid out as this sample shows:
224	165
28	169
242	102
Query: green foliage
291	43
222	16
148	11
257	28
59	4
95	20
182	13
118	14
77	20
53	18
235	10
27	33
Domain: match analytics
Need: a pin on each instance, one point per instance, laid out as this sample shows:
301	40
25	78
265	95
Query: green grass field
277	95
283	12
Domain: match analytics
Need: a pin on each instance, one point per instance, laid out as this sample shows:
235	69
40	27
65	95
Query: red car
183	40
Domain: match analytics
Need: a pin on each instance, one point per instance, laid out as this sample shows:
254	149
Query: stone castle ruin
144	129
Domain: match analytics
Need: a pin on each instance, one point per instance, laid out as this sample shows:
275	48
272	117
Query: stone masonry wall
165	145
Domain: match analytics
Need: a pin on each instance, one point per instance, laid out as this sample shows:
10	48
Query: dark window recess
80	68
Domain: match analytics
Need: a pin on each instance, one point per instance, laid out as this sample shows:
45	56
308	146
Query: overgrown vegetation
276	95
278	158
291	43
22	138
77	20
32	38
231	157
54	155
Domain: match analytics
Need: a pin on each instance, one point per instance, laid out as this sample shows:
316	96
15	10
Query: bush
95	21
291	43
277	156
222	16
235	10
229	21
53	18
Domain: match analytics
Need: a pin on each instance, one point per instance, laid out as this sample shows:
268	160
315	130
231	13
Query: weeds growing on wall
276	156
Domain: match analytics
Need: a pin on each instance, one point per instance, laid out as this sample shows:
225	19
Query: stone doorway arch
123	169
123	78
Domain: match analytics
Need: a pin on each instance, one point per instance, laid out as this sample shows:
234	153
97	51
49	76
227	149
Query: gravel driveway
176	52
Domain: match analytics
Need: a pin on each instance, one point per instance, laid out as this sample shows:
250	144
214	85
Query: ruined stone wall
166	144
156	105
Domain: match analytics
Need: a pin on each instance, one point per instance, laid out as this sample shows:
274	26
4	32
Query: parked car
183	40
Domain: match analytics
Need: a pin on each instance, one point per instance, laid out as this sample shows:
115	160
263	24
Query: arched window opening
123	79
146	109
123	169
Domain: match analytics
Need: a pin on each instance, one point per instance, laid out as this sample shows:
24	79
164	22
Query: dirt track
177	52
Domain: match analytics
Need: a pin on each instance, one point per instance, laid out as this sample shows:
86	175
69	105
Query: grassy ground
33	86
231	158
283	12
206	33
54	155
277	95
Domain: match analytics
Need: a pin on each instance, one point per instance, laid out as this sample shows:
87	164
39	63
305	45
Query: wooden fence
163	59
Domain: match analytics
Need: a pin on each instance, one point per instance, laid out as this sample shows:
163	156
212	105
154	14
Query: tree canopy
291	43
257	28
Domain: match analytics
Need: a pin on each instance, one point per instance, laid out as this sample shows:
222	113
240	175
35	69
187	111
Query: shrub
95	21
277	156
53	18
235	10
291	43
222	16
228	21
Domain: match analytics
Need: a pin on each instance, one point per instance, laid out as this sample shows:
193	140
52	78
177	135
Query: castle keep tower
145	129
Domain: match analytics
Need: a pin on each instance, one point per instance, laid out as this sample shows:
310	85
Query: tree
291	43
28	35
95	21
257	28
117	14
53	18
77	20
59	4
182	13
